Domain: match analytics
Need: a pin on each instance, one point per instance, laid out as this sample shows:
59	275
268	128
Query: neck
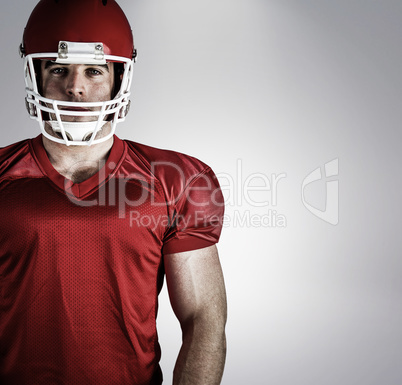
77	163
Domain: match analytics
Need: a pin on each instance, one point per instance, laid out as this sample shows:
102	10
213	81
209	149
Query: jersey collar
85	188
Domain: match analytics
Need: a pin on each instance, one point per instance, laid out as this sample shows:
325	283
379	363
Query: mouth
75	109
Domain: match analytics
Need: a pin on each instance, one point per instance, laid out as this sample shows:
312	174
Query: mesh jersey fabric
81	265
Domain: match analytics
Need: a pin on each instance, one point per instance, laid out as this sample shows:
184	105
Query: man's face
77	83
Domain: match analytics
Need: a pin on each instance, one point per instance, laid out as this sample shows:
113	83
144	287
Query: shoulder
174	170
178	174
13	154
161	160
13	148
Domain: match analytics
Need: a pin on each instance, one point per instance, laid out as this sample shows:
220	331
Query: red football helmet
77	32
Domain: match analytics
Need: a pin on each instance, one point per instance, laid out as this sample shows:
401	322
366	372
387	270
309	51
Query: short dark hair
118	72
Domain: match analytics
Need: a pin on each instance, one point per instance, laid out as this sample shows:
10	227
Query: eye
58	71
94	72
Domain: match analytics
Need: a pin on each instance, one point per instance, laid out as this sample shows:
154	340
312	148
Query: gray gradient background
285	87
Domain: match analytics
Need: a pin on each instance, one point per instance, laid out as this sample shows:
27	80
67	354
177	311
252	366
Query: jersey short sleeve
192	195
197	215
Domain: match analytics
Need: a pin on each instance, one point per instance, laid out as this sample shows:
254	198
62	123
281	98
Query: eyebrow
50	63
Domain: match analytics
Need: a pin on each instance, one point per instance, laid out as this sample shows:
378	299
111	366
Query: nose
75	84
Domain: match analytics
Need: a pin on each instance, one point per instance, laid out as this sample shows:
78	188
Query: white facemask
53	112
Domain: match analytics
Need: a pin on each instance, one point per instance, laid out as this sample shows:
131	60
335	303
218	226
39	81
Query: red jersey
81	265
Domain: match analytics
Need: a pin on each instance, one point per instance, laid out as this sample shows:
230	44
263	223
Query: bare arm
197	294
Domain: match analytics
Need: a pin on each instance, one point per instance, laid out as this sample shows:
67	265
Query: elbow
210	323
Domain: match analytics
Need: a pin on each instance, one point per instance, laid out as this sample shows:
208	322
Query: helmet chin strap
77	131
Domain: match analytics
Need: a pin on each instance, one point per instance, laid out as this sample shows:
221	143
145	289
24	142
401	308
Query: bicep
196	285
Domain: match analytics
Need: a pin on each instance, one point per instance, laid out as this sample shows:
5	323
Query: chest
118	227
